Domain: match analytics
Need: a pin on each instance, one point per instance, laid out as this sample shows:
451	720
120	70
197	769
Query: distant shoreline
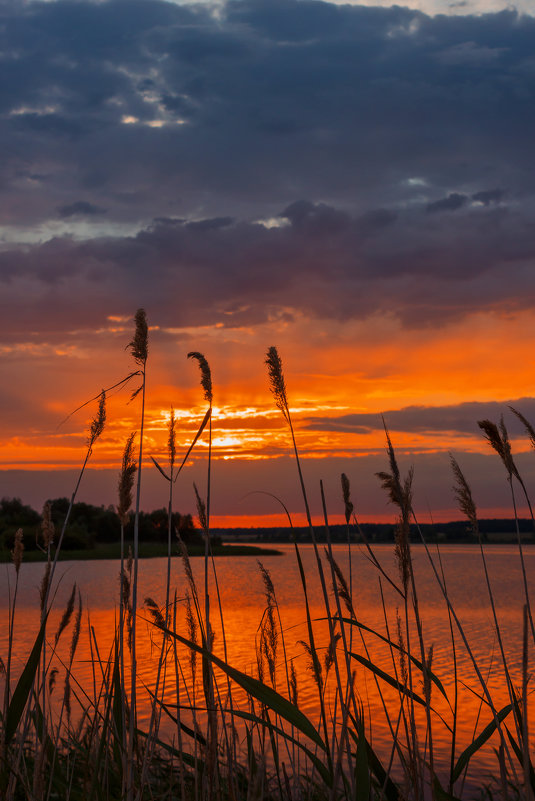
493	531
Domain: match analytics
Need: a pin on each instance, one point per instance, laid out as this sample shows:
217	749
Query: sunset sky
352	183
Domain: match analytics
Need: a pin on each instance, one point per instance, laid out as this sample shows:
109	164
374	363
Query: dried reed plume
269	589
276	381
187	564
191	624
391	482
348	505
52	680
268	629
499	440
43	589
206	374
527	425
463	494
124	580
155	612
314	665
47	526
402	652
67	614
67	696
139	344
171	439
18	550
76	629
294	696
98	422
330	653
426	680
343	589
126	480
400	494
201	509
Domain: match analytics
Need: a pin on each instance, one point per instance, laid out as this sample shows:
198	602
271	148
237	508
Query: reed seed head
67	614
171	439
314	665
402	652
527	425
269	589
47	525
18	550
463	493
67	696
342	586
400	493
52	680
509	461
294	696
346	496
201	509
126	480
206	374
499	440
191	624
124	582
43	589
276	381
155	612
187	564
76	629
426	682
330	653
139	344
98	422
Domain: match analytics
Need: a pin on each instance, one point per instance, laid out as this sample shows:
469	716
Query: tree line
88	525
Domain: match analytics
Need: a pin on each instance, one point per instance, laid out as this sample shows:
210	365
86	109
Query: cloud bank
337	161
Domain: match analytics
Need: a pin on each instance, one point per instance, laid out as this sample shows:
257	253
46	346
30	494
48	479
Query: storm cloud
237	149
460	419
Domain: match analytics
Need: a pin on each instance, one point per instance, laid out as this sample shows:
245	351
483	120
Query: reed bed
238	736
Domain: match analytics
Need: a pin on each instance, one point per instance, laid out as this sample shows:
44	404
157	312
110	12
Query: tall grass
244	736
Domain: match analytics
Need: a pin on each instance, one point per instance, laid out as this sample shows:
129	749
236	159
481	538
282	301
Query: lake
243	603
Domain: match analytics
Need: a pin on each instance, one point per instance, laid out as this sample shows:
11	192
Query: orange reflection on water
243	604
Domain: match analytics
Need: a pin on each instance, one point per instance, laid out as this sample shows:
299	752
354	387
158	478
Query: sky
351	183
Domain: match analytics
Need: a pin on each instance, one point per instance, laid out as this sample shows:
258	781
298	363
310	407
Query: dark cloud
488	196
340	126
312	258
80	208
451	203
155	109
460	419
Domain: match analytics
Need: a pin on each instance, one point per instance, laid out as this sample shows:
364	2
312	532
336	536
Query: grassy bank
147	550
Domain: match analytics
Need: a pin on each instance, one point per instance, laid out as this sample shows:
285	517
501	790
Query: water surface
376	604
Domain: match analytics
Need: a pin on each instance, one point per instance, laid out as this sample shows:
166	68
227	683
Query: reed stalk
139	350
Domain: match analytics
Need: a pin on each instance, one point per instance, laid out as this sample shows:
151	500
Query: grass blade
466	755
24	685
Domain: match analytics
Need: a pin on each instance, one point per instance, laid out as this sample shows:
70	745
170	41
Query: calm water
243	603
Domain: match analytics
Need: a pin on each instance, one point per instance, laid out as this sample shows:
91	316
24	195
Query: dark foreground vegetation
243	736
